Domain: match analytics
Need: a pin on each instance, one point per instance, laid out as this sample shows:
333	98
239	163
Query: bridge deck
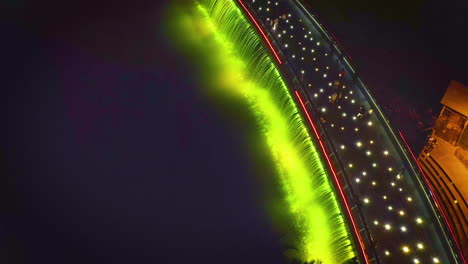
397	219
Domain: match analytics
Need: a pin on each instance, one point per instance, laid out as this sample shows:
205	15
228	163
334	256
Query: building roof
456	97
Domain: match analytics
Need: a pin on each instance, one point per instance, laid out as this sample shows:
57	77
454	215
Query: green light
235	63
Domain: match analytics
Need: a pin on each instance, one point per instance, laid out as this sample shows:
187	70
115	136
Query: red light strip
435	197
262	32
366	258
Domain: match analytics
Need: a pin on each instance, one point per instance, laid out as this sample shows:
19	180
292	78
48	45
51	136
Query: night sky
110	154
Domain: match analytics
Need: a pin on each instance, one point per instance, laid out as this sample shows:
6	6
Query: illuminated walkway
385	198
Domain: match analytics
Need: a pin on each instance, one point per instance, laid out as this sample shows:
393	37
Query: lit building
445	160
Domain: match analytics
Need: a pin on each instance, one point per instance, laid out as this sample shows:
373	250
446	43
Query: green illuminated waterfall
238	65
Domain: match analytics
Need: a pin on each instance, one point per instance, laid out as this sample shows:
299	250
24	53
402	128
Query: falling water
235	62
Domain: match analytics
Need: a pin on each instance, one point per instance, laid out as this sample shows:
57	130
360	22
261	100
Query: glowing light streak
321	235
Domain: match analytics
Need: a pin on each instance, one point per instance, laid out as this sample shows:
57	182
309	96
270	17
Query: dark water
110	154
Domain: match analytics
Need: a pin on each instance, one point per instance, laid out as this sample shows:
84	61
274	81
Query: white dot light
405	249
419	220
388	226
420	246
403	229
436	260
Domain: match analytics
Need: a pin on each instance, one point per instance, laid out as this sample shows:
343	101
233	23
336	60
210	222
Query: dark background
111	155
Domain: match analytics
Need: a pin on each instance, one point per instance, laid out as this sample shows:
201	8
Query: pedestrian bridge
389	208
